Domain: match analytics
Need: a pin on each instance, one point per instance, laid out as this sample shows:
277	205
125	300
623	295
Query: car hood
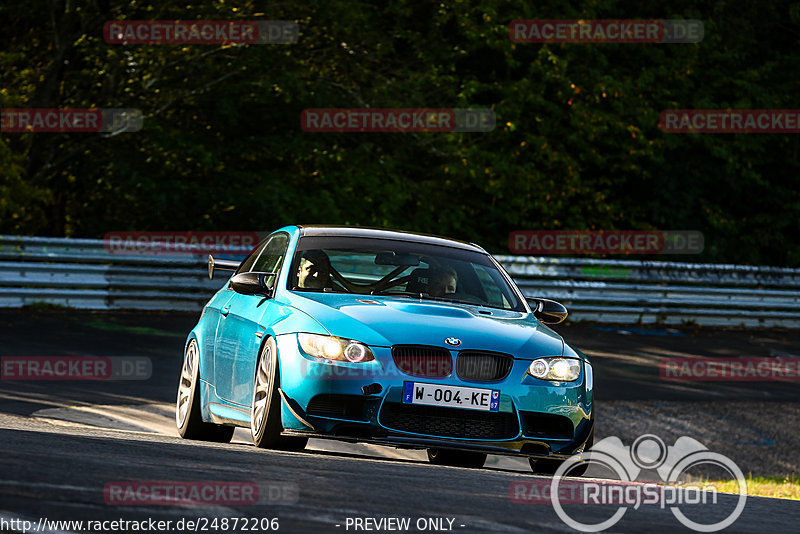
386	321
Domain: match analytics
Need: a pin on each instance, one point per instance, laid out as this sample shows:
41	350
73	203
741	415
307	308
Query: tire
265	409
549	467
453	458
188	418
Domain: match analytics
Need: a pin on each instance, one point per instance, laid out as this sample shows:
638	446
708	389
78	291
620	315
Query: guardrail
627	291
81	273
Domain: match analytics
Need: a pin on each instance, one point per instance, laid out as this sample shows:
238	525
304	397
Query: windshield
387	267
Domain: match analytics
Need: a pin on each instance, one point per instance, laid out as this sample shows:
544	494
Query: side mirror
220	265
548	311
252	283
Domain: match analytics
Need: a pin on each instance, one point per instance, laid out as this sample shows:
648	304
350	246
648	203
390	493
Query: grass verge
786	487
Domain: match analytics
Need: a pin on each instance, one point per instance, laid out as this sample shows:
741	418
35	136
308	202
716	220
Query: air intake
417	360
483	366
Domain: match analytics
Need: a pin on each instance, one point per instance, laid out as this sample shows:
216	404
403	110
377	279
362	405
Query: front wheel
187	407
265	412
456	458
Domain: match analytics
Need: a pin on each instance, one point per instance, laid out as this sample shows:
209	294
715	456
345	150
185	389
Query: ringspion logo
648	453
38	120
578	491
190	32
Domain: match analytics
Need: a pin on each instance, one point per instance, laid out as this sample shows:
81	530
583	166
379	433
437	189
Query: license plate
487	400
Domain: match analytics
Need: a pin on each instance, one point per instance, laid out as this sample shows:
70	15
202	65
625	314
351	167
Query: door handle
225	311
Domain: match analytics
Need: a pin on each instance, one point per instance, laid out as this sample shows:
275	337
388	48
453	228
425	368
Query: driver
314	270
442	282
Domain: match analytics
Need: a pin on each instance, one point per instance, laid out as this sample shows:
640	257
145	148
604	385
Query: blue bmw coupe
387	337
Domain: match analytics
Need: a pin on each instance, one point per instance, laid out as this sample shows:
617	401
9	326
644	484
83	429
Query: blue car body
364	401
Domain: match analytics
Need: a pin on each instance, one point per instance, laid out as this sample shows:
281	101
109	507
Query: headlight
558	369
334	348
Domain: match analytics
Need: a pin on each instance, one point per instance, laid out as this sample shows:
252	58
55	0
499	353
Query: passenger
443	282
314	270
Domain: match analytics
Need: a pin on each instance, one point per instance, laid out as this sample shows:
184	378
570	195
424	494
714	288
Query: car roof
383	233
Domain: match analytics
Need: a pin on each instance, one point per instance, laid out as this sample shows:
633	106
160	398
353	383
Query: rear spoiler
220	265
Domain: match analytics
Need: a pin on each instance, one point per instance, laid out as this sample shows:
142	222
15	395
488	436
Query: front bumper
535	418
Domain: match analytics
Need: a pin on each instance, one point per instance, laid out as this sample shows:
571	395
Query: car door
239	335
211	319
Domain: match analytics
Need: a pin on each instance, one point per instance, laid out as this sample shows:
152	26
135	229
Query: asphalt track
54	468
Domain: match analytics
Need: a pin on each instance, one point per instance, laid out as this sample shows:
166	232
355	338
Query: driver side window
268	258
271	256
